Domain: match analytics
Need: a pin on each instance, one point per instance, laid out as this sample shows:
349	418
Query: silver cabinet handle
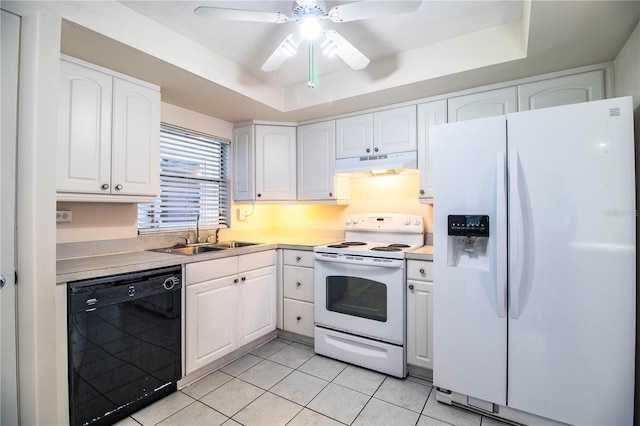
243	279
421	270
422	192
236	281
368	150
375	149
410	286
298	259
118	187
3	280
298	284
298	318
105	186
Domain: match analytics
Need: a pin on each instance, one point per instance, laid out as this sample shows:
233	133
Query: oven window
358	297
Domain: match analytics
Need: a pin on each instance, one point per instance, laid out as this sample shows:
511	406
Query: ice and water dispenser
468	240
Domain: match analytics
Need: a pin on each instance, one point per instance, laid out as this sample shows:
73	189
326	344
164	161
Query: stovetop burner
400	245
353	243
386	248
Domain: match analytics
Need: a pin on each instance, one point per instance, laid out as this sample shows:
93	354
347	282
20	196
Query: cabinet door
135	165
354	136
571	89
481	105
84	131
429	115
298	317
275	163
316	161
211	321
243	152
298	283
420	323
257	303
394	130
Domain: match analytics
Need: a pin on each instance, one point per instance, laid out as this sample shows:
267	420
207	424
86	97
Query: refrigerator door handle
517	249
501	237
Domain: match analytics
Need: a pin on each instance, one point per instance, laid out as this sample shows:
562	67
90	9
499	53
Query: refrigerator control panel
465	225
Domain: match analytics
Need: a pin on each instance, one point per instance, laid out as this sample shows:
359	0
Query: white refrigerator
534	264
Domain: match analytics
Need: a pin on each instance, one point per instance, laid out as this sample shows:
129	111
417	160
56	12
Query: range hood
394	161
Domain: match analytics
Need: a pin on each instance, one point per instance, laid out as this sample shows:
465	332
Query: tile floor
286	383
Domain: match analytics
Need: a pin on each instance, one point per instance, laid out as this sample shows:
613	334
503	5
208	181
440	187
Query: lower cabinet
298	292
229	302
420	313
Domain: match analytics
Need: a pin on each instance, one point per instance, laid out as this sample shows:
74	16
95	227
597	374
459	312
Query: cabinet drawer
262	259
298	283
211	269
298	317
420	270
298	258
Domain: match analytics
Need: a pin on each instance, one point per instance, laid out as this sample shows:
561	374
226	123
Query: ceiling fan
309	13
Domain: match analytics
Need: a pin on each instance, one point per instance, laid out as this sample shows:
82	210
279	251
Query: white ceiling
213	67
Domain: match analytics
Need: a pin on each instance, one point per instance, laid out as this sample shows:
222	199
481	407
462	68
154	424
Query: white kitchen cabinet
317	181
229	302
570	89
382	132
429	115
420	313
483	104
243	149
109	136
265	164
298	292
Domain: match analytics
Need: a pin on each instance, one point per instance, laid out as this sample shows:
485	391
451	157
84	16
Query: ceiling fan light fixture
310	27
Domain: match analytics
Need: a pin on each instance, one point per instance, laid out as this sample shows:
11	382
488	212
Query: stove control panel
384	222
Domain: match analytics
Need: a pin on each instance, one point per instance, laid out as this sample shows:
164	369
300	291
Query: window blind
194	179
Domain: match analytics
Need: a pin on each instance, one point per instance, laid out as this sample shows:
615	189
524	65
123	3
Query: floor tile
381	413
206	384
195	414
268	349
231	422
299	387
240	365
405	393
292	356
323	367
270	410
419	380
162	409
265	374
360	379
339	403
307	417
232	397
128	421
448	413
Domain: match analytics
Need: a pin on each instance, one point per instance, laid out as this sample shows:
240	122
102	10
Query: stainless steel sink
190	250
234	244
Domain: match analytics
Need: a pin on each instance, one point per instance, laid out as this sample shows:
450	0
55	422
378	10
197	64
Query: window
194	179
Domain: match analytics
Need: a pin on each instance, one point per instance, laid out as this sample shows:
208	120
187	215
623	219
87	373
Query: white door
482	105
275	163
570	89
394	130
135	163
420	323
10	26
572	262
243	149
354	136
429	115
257	303
470	325
316	161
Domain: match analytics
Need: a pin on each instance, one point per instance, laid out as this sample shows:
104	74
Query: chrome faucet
215	234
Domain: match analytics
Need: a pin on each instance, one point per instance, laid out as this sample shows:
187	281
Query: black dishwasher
124	343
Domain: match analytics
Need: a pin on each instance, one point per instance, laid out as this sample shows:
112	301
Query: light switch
63	216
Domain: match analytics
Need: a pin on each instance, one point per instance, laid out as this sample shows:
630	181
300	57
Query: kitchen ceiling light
310	27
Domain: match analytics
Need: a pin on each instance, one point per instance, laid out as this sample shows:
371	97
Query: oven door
360	295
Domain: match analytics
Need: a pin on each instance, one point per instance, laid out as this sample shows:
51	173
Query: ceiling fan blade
370	9
287	49
240	15
347	51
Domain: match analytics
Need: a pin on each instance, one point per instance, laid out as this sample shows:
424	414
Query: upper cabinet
484	104
382	132
264	159
109	136
570	89
429	115
317	181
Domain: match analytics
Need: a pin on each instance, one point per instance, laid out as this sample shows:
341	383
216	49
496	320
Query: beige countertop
423	253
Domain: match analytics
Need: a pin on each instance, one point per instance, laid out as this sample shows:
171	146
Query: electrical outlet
63	216
242	214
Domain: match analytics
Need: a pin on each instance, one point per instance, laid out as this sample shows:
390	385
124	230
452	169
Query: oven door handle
359	260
